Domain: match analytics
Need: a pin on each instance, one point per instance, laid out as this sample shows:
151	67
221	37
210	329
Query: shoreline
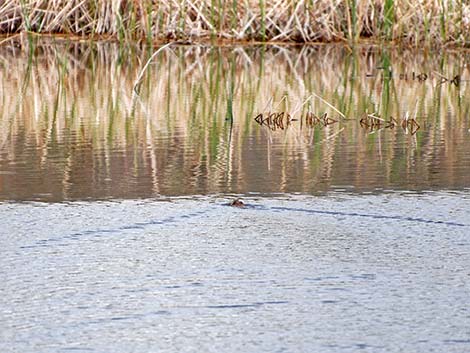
360	43
425	24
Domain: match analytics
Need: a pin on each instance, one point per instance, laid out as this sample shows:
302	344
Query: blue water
291	273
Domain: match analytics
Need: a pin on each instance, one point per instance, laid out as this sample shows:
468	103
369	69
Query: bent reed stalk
432	22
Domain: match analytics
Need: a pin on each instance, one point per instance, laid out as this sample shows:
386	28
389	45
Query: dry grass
406	22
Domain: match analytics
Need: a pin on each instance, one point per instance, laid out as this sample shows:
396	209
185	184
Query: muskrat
237	203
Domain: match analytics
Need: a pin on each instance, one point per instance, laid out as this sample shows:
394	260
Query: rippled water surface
336	273
116	232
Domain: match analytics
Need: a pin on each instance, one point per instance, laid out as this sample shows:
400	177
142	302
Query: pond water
336	273
116	234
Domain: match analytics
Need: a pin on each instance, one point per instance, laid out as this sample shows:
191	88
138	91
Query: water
71	128
335	273
116	234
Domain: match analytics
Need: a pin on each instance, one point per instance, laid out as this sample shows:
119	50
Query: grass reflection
69	127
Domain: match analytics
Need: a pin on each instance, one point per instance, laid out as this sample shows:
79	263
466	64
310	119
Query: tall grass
407	22
353	24
388	19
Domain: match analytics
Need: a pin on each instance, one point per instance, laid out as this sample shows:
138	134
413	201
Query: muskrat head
237	203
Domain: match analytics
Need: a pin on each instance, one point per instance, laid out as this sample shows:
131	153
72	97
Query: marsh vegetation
426	22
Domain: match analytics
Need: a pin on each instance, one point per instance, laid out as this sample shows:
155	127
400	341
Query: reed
407	22
388	19
353	24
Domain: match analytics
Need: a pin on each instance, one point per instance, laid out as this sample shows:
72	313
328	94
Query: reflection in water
69	130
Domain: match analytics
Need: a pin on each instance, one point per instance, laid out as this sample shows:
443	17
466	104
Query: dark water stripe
463	341
254	305
368	215
100	232
233	306
185	216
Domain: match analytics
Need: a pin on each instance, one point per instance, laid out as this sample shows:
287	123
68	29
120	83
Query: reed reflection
68	129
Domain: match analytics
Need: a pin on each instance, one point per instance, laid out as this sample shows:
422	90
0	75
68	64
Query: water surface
116	234
383	273
72	129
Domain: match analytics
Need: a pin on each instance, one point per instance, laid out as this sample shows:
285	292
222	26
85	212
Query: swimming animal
237	203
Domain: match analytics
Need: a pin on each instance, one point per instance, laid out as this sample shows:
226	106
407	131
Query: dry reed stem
138	81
